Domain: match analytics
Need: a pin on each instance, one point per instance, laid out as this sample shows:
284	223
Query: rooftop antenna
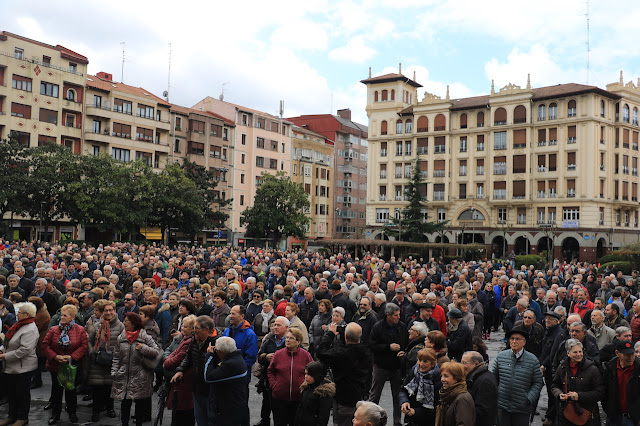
281	108
166	94
122	71
588	45
222	93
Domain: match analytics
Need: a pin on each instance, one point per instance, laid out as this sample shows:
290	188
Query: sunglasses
127	300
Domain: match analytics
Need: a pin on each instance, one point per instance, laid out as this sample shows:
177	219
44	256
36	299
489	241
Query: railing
571	140
424	174
542	194
499	123
542	169
440	149
552	194
44	64
438	196
500	146
500	194
383	175
480	147
571	167
423	150
104	107
76	126
480	171
553	142
571	194
382	197
439	173
500	170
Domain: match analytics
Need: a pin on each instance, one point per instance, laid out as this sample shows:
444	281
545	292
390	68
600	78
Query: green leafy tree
412	225
14	171
278	209
206	182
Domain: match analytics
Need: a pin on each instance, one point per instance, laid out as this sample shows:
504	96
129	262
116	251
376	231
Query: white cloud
301	35
354	51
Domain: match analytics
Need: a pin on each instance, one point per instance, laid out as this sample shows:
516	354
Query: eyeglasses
127	300
528	317
257	297
516	338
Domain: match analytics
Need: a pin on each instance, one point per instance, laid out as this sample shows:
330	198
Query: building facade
312	157
524	169
350	177
261	143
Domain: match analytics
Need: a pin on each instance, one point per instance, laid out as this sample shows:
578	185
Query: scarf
217	311
422	386
132	335
265	320
447	396
64	341
103	336
15	327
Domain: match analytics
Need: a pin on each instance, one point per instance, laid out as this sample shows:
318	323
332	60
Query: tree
206	182
412	224
278	209
14	171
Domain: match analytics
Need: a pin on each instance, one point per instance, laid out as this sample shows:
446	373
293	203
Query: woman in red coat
286	374
181	391
64	343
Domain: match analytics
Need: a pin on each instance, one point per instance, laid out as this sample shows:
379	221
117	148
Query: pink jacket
286	373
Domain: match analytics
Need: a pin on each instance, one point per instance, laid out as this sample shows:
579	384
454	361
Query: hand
563	397
324	327
211	348
60	359
405	408
334	328
176	377
1	357
139	346
400	354
573	395
270	357
394	347
542	369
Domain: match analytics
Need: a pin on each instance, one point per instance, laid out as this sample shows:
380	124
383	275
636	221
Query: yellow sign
151	233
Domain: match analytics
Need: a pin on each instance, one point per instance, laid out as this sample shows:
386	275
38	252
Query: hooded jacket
315	404
246	342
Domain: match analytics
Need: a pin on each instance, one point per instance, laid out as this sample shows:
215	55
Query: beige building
261	143
312	167
538	167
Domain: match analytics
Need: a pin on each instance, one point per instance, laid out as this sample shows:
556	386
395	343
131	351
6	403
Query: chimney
105	76
344	113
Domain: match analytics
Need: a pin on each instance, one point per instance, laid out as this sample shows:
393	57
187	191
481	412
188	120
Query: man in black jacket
622	408
481	384
338	298
308	307
387	339
366	318
551	332
273	342
458	335
351	367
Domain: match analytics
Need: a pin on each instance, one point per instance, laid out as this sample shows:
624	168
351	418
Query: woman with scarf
66	343
20	361
419	394
220	311
262	322
319	323
102	342
132	381
456	407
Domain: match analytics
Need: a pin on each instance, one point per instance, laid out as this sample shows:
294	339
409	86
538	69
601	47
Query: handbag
104	358
573	412
67	376
152	363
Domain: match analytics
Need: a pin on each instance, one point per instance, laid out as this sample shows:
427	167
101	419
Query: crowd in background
318	334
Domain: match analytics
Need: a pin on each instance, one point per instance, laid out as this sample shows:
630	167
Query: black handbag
104	358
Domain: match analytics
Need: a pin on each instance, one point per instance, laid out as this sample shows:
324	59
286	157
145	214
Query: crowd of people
318	335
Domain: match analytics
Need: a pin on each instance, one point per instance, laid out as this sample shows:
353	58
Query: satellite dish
165	93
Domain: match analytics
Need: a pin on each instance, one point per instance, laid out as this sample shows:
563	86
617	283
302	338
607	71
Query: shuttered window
519	189
520	114
463	121
520	138
500	185
552	162
383	127
541	186
571	158
480	119
500	116
519	164
542	160
542	135
20	110
440	123
571	131
439	165
553	134
423	124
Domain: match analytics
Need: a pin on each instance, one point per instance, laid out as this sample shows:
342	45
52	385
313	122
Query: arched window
500	117
471	215
463	121
398	126
625	113
71	95
635	116
385	95
520	114
383	127
480	119
571	108
423	124
602	108
375	96
408	126
553	111
393	95
542	112
440	123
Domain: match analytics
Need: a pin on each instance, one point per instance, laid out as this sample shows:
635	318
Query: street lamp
473	219
335	224
42	203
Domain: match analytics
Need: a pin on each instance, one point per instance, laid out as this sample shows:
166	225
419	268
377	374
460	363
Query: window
635	116
145	135
49	89
273	164
21	83
145	157
500	165
463	144
96	126
480	119
423	124
601	108
383	193
480	190
480	143
73	68
120	154
145	111
625	113
244	119
408	126
519	114
196	126
95	150
462	191
242	178
71	95
407	149
500	117
542	112
19	110
259	161
259	142
48	116
519	164
438	192
18	53
242	199
122	130
480	166
502	215
500	140
463	168
243	139
440	123
295	169
70	120
398	148
439	145
522	216
261	123
571	108
398	192
383	127
463	121
553	111
520	138
176	146
196	148
442	215
541	215
382	215
225	134
120	105
46	140
500	190
398	127
571	213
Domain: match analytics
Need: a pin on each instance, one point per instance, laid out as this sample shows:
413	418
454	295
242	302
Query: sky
313	55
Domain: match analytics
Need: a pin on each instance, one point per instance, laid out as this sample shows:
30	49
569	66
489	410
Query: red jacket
582	309
439	315
286	373
185	396
77	350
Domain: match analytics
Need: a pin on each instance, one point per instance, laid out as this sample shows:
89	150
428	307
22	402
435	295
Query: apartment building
260	143
204	138
350	159
525	169
312	157
42	91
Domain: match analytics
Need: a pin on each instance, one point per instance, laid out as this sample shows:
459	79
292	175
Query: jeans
380	376
343	414
19	394
506	418
201	409
57	392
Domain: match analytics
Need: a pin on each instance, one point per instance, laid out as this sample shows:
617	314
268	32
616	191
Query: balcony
500	194
438	196
519	145
382	197
499	146
552	194
521	221
407	152
500	170
502	221
480	147
571	167
499	123
423	150
90	135
542	169
480	171
542	143
571	194
424	174
463	171
571	112
571	140
383	175
398	174
439	173
625	170
541	222
397	198
542	194
553	142
399	153
480	195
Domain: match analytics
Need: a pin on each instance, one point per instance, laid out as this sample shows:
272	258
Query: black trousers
265	411
56	396
182	418
19	394
102	398
284	412
143	410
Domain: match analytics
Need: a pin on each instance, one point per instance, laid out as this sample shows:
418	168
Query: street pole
40	230
473	219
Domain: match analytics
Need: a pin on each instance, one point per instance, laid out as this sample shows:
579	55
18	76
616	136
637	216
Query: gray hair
278	294
353	332
285	321
621	330
421	328
13	277
391	308
372	413
560	310
234	272
364	287
339	310
523	302
226	345
551	293
117	278
570	343
580	324
597	311
206	321
26	307
381	296
475	356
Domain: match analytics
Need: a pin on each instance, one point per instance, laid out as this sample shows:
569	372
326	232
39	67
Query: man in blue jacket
246	341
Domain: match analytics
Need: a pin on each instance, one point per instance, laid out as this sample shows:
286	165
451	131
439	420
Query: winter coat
410	357
590	350
20	352
131	380
222	323
519	381
587	383
603	336
253	309
459	341
315	329
163	318
77	350
481	384
423	416
382	335
534	339
351	366
610	397
42	322
183	387
461	412
477	309
246	342
297	323
229	392
286	373
195	359
308	311
550	335
152	329
366	321
100	375
315	404
257	327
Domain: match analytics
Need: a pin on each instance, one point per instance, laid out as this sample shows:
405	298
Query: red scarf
132	335
15	327
103	335
574	367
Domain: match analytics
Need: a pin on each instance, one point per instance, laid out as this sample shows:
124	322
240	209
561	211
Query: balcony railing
552	194
571	140
542	143
382	197
542	194
423	150
553	142
438	196
480	147
542	169
440	149
571	167
439	173
571	194
500	170
500	194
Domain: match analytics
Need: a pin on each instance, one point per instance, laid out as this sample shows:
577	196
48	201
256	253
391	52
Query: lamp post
42	203
473	219
335	222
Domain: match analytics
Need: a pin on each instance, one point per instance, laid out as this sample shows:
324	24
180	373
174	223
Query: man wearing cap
338	298
402	301
458	335
551	332
519	380
622	379
535	333
425	316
